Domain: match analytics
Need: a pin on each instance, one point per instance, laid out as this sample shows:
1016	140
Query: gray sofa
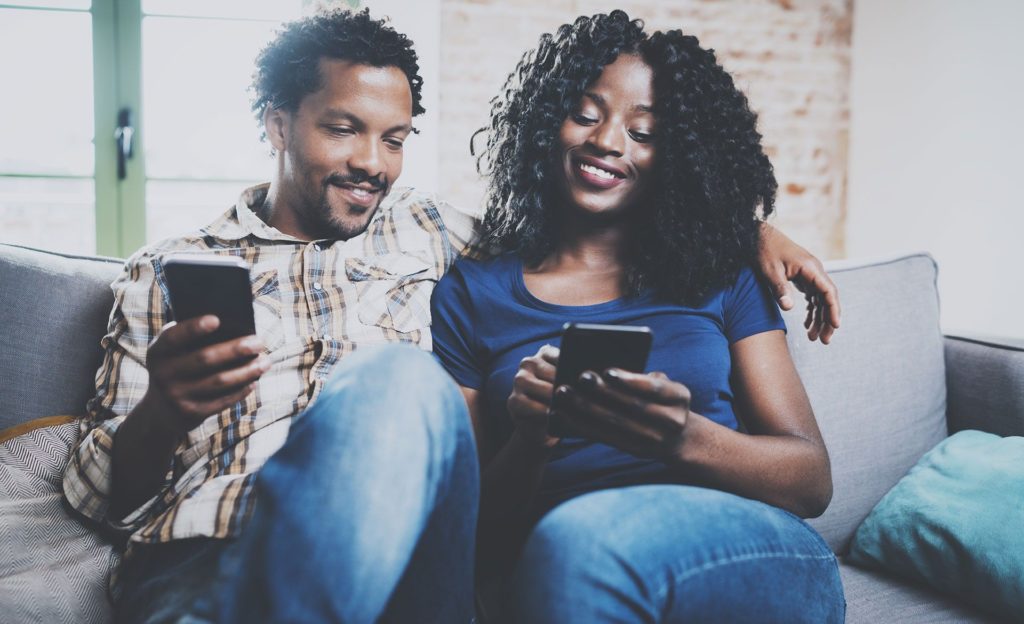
887	390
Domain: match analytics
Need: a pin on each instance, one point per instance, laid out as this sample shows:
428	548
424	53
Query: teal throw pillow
956	522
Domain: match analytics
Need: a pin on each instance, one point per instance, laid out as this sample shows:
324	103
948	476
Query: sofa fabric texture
986	388
53	313
877	598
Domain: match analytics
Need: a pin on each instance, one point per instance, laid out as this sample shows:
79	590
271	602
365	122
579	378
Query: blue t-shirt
485	321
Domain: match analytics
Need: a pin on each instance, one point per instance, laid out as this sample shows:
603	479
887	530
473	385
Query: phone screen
215	285
598	348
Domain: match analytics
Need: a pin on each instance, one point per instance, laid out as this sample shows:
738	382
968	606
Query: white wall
421	22
937	149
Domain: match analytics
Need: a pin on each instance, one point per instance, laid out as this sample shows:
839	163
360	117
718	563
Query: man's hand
189	382
782	261
642	414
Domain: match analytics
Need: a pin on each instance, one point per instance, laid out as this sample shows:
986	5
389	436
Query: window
175	71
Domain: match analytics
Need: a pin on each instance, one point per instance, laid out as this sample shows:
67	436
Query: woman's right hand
529	405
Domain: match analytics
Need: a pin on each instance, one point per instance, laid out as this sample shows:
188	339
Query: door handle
123	136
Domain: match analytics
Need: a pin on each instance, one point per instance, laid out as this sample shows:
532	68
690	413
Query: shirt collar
242	221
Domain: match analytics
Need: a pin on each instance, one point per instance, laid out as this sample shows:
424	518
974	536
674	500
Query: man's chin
355	222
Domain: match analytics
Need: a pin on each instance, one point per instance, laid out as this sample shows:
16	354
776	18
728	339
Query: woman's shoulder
476	278
484	268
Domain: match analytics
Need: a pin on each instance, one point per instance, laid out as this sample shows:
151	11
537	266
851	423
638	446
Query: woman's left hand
642	414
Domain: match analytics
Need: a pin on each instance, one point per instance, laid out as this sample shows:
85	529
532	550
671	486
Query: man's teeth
601	173
358	192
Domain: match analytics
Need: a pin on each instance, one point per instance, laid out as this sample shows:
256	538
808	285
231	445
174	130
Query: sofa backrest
53	313
879	389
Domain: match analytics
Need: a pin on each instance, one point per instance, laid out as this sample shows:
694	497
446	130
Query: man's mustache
377	182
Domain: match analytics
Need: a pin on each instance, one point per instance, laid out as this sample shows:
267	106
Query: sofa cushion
955	522
873	597
52	316
878	390
52	567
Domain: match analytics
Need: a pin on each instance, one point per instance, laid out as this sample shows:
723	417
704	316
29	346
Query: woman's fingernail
614	373
588	380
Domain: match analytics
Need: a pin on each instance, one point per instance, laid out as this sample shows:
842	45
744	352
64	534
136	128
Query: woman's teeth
601	173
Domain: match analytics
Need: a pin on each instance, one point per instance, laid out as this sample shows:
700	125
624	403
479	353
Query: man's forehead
342	79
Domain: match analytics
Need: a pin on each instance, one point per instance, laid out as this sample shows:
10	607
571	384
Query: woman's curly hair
288	68
713	183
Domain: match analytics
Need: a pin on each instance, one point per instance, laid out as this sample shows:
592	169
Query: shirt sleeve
121	381
463	226
452	329
749	308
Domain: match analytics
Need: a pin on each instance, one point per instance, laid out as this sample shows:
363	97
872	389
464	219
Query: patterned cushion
54	567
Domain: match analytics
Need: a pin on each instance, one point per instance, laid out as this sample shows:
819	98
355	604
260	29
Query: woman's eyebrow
600	101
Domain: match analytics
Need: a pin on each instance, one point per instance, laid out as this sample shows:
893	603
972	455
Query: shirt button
317	286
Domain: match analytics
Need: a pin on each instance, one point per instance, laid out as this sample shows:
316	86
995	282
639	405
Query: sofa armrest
985	384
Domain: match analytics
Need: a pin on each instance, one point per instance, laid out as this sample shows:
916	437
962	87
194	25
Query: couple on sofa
322	471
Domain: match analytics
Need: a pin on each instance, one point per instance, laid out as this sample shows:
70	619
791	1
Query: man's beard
319	219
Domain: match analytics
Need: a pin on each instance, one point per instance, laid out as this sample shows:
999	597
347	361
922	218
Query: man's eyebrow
335	114
599	100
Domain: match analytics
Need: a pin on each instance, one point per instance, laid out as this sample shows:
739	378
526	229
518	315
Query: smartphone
598	348
217	285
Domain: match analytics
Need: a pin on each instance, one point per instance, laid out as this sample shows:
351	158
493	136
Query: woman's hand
781	261
529	405
642	414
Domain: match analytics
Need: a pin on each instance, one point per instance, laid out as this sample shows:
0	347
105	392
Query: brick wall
791	57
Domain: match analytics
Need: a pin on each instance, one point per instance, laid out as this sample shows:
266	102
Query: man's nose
366	157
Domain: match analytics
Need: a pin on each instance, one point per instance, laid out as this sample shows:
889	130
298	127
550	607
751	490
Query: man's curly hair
713	183
288	68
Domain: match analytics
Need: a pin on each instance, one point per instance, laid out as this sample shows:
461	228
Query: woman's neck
587	246
588	266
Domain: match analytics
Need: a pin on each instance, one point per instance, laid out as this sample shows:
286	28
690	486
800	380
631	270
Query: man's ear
276	125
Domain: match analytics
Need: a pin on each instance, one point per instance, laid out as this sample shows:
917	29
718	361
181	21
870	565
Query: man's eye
395	144
340	130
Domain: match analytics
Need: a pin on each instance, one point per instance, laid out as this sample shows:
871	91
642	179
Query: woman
628	185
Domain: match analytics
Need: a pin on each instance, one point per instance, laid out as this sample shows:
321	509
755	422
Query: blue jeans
367	513
671	553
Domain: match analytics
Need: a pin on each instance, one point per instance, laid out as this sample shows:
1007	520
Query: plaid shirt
314	303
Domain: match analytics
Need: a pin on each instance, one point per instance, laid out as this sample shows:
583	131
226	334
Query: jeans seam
687	575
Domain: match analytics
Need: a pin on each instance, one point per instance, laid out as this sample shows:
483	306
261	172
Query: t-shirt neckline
528	298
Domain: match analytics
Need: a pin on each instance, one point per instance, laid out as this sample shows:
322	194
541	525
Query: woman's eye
641	137
583	120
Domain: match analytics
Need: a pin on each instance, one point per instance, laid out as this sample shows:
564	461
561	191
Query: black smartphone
217	285
598	348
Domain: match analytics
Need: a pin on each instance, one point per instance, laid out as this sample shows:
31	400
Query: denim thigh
672	553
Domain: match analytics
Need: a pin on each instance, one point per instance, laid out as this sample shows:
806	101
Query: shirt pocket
393	289
266	307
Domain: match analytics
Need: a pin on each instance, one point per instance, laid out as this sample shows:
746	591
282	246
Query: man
367	476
